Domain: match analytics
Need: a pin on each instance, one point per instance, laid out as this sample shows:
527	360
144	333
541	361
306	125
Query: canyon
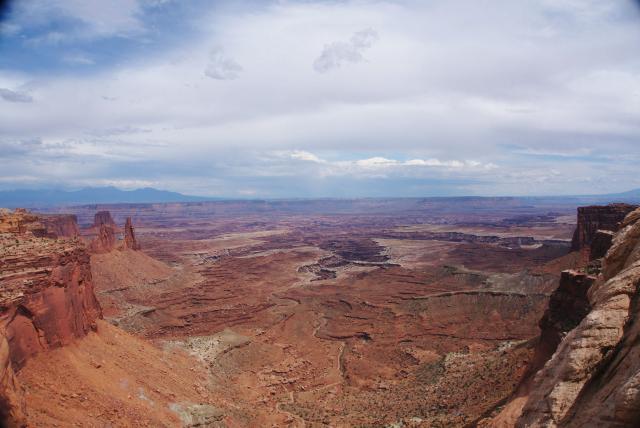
434	312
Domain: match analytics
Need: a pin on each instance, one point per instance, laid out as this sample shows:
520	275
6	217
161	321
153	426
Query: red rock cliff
105	241
46	299
594	218
103	217
12	405
61	225
593	377
47	294
22	221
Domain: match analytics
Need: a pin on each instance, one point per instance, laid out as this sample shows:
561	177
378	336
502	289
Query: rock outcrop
568	306
594	218
47	298
600	244
21	221
61	225
47	293
12	404
103	217
105	241
130	236
593	378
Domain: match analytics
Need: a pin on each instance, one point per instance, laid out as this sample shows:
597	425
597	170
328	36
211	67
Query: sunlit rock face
593	378
104	241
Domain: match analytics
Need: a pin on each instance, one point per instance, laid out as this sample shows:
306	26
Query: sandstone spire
105	241
129	236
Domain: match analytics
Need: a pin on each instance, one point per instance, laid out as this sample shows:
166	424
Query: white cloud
426	104
221	67
337	53
305	156
376	162
78	59
380	163
15	96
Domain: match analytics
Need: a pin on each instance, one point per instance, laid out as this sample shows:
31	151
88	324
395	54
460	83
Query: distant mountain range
113	195
630	194
90	195
631	197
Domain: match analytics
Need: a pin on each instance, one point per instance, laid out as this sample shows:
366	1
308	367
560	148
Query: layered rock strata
46	299
21	221
61	225
593	378
594	218
47	295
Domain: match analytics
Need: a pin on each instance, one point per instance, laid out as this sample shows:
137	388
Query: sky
277	99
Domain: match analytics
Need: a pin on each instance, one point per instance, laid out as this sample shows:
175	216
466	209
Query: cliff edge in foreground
593	377
46	298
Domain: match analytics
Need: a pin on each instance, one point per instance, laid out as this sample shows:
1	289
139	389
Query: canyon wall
593	378
594	218
61	225
567	307
22	221
47	295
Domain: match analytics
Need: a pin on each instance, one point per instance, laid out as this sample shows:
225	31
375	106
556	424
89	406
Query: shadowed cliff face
594	218
47	297
593	378
568	305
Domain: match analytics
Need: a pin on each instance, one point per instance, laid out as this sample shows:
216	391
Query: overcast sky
322	98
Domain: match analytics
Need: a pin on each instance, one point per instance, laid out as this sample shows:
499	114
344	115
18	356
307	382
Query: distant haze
280	99
48	198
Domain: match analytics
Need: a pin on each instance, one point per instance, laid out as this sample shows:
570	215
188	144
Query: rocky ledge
593	377
594	218
46	298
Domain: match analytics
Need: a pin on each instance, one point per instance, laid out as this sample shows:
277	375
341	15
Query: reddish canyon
298	313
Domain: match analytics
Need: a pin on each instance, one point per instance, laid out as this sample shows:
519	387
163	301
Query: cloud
81	18
376	162
15	97
222	67
78	59
12	148
337	53
305	156
428	115
381	163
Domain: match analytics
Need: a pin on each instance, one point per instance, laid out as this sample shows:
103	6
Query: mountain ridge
87	195
34	198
